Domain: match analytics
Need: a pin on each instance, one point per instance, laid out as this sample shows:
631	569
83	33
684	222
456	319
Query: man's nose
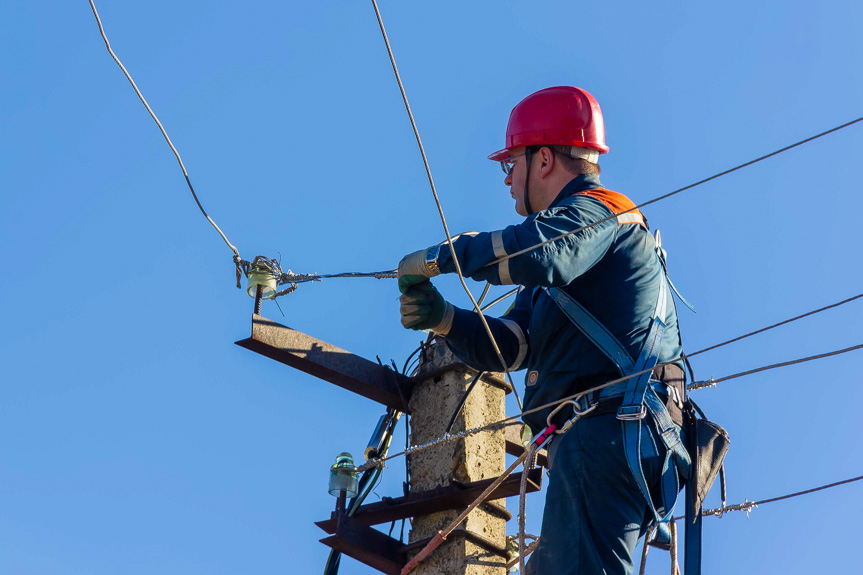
507	180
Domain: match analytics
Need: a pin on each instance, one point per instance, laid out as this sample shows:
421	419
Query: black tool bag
708	444
711	445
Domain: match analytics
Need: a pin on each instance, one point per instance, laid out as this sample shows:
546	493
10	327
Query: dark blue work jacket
612	269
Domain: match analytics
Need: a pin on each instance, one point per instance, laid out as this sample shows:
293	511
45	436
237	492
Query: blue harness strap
593	330
640	399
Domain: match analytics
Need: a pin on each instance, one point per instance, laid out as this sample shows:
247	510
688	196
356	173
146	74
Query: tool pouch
709	444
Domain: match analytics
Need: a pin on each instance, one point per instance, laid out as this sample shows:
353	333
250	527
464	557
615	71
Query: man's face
516	179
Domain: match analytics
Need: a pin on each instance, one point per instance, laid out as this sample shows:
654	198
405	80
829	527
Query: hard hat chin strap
527	154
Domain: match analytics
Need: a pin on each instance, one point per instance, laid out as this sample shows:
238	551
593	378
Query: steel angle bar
328	362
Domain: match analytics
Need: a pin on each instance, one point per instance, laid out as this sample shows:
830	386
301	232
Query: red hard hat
559	116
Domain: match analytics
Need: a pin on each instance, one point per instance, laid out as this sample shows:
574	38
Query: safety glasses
507	164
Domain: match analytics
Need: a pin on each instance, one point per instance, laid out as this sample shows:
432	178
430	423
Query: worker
592	307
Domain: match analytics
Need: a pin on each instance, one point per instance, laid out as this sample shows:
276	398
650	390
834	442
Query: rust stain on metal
328	362
367	545
435	500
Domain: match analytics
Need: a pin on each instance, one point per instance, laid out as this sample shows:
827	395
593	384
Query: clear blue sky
137	438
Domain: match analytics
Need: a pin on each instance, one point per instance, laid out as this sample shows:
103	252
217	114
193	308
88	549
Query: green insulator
344	476
265	276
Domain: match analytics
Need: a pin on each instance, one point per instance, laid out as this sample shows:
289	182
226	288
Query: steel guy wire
440	207
378	462
237	258
511	420
290	277
675	192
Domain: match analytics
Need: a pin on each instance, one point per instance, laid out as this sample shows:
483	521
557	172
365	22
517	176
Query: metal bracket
367	545
328	362
419	503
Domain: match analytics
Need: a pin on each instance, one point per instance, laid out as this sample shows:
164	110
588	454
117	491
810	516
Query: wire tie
746	506
286	291
238	262
701	384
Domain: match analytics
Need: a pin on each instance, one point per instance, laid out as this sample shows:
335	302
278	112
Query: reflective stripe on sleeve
630	218
503	271
522	343
497	244
499	252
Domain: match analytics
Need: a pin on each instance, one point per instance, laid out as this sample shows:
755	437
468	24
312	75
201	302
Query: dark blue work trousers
594	513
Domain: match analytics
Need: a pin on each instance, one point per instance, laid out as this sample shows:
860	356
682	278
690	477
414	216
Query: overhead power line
240	263
712	382
748	506
808	491
510	420
440	207
237	259
775	325
675	192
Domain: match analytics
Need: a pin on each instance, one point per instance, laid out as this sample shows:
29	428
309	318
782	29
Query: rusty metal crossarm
367	545
328	362
439	499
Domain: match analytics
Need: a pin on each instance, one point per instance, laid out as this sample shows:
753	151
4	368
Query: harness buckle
577	412
631	412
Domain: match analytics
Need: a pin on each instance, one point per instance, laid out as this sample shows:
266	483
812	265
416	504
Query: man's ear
546	161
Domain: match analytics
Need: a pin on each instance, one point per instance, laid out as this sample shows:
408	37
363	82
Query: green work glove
422	307
417	267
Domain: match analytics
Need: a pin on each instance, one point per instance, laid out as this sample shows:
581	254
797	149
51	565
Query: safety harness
640	400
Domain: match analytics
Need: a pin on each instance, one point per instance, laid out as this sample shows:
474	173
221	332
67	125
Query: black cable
462	400
749	505
808	491
410	357
368	481
775	325
787	363
406	486
675	192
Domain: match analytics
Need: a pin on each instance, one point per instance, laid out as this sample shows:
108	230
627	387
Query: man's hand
422	307
418	267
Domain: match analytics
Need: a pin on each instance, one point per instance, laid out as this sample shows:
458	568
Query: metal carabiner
577	413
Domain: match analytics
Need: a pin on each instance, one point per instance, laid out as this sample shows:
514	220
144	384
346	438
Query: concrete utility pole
445	479
477	547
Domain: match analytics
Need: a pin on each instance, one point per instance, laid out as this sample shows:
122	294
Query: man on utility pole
594	306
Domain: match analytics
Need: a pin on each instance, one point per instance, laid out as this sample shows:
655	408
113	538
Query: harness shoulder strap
594	330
